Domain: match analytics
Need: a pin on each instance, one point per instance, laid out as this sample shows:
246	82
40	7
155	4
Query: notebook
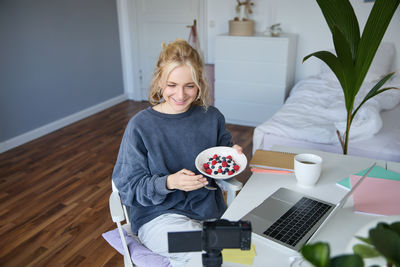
290	218
377	196
273	160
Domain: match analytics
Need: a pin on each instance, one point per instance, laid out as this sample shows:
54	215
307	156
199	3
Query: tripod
212	258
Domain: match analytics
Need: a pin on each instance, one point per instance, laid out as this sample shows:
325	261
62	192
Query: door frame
128	29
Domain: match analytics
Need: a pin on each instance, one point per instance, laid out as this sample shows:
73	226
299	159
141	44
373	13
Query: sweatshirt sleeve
224	136
131	173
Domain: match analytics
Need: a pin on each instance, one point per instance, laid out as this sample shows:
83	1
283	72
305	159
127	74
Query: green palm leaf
341	13
344	56
375	91
375	28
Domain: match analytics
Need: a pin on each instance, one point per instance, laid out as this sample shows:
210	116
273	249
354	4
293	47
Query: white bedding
315	109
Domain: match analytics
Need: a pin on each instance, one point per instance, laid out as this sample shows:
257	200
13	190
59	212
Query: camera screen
223	238
216	235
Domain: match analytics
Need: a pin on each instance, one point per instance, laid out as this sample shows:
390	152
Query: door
162	21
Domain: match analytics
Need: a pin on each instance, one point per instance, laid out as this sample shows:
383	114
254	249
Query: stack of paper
376	172
378	193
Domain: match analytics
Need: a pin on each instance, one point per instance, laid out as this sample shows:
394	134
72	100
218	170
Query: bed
315	109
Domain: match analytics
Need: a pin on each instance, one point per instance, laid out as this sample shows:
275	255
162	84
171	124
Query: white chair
120	214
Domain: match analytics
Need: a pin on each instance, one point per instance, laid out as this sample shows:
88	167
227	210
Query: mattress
384	145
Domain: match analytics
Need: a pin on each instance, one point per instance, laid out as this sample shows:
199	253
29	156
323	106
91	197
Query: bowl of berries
220	162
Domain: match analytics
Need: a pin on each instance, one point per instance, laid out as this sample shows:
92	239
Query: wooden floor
54	192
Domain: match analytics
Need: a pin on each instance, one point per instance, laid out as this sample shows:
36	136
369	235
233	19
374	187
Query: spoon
209	187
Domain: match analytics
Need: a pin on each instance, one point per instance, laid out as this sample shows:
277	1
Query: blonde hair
176	54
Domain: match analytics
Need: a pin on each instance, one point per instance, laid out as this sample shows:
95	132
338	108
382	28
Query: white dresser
253	76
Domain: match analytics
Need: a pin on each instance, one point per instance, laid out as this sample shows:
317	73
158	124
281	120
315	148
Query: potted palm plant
354	52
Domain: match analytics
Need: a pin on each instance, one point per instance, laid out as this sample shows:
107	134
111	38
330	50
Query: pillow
381	64
140	255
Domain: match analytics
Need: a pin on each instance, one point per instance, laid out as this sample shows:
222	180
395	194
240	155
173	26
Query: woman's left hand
238	148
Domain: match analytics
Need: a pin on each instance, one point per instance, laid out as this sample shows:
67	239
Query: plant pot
241	28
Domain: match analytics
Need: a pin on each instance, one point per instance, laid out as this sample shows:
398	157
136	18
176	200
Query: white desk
340	229
393	166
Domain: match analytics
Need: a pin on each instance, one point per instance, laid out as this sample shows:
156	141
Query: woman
155	169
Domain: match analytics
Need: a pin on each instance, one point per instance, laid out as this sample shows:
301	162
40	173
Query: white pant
154	235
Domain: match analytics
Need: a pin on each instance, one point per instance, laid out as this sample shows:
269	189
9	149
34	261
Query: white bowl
223	151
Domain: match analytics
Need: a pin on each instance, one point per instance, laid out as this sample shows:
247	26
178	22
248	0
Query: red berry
229	157
236	167
209	171
214	162
230	172
219	170
206	166
224	164
215	156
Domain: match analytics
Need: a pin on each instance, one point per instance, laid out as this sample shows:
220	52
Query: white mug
307	169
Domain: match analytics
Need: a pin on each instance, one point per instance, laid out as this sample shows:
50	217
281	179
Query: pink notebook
376	196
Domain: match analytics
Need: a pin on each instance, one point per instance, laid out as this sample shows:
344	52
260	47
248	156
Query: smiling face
180	91
178	56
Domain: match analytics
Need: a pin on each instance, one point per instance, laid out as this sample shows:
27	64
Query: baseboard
53	126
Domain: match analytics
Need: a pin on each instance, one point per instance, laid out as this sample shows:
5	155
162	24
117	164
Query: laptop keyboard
292	226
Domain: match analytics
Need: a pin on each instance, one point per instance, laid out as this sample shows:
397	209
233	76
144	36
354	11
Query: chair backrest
115	189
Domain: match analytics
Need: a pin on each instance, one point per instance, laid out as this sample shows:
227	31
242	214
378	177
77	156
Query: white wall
297	16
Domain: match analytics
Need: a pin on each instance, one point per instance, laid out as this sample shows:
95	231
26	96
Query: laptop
290	218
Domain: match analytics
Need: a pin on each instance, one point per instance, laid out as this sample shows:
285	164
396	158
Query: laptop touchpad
271	210
266	214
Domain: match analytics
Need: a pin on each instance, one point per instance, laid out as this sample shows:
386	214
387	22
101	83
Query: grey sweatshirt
156	145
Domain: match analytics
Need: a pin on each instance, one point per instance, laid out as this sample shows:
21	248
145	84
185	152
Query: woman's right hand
186	180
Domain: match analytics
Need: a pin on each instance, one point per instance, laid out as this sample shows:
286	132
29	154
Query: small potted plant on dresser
242	25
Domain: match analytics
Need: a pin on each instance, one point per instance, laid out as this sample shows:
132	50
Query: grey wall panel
57	57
